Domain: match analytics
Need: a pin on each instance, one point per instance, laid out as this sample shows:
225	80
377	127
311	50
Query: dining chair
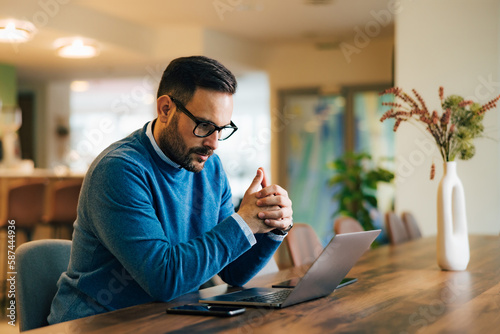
347	225
282	256
62	203
40	263
303	244
25	206
396	231
411	225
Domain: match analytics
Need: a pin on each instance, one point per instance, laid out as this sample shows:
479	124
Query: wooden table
400	290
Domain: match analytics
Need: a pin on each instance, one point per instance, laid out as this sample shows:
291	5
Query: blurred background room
309	73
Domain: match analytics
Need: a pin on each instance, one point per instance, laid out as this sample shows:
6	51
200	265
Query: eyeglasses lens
206	129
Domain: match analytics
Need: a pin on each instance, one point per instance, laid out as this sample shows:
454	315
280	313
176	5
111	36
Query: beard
172	144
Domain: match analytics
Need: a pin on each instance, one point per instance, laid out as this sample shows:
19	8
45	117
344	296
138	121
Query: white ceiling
135	34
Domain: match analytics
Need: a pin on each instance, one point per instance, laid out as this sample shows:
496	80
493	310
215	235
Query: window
321	129
104	111
250	147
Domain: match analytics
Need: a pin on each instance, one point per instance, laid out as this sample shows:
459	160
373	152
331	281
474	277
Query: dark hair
183	75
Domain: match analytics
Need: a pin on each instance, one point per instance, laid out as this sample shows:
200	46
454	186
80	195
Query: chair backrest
395	229
303	244
40	263
63	202
411	225
347	225
26	204
282	256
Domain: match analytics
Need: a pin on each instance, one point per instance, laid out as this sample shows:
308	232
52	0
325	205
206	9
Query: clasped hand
265	209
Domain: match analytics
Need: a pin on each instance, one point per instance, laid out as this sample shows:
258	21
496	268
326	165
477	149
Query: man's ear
163	107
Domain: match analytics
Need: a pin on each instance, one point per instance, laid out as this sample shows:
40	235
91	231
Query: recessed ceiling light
76	47
16	31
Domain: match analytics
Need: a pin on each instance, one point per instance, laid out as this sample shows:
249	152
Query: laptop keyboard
270	298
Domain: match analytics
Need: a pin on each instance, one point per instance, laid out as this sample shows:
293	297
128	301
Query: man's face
178	141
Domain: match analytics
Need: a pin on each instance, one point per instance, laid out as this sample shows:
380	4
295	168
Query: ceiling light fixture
16	31
76	47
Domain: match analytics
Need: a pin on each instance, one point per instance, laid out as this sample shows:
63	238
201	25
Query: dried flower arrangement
453	130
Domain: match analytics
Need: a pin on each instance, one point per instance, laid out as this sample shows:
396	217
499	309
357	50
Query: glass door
322	128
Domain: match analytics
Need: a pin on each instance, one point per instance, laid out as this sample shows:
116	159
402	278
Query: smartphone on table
206	309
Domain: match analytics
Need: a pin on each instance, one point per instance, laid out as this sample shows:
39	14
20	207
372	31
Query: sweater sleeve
124	219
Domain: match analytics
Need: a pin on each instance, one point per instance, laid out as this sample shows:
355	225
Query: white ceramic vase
452	238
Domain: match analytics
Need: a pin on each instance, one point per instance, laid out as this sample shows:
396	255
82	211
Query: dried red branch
405	107
396	125
465	103
392	104
490	105
435	117
420	99
445	119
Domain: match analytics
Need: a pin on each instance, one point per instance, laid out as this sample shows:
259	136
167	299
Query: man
155	217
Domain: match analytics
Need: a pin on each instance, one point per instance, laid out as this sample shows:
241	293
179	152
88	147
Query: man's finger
279	200
272	190
257	181
264	179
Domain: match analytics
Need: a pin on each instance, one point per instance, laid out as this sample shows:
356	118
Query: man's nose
212	141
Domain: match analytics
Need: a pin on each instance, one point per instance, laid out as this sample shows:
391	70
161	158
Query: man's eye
205	126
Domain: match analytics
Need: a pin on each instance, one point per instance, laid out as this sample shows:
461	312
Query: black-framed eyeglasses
206	128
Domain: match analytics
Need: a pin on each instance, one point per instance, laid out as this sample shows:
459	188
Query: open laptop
322	278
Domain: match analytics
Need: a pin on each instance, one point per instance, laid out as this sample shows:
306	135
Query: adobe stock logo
372	29
453	290
48	9
223	6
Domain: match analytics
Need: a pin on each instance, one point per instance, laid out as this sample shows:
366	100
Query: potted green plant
357	177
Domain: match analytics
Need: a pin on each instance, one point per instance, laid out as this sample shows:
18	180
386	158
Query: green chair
40	263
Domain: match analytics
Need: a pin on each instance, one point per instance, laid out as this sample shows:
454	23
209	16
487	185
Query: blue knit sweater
148	230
